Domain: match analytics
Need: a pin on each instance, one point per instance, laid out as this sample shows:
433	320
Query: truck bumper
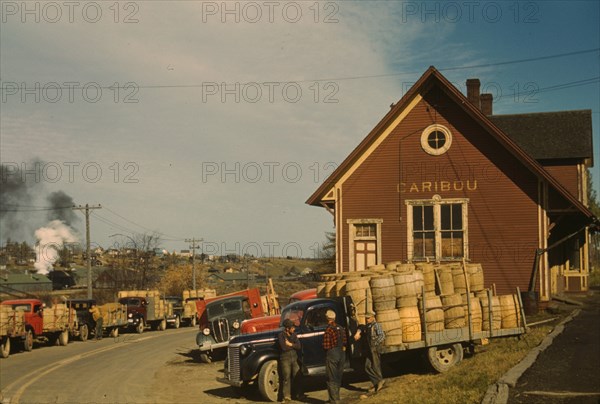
209	346
229	382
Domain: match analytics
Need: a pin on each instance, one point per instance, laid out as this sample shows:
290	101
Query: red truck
267	323
44	324
220	319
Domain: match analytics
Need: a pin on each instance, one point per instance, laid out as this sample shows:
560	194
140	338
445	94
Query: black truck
85	321
252	358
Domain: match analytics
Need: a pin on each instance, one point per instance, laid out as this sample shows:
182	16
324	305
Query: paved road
568	371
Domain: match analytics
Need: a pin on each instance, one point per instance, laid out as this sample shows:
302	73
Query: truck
44	324
12	328
220	319
266	323
145	308
181	312
114	318
253	358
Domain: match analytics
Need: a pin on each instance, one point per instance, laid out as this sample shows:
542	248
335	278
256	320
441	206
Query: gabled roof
550	135
430	78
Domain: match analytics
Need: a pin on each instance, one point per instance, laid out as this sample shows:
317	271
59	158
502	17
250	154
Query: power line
368	76
34	209
173	238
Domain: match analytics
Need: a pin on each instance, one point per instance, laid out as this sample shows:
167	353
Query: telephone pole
193	248
87	244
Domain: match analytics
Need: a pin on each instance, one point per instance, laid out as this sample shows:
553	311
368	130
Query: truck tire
177	322
268	381
28	341
84	333
205	358
442	358
140	327
5	348
63	338
114	333
162	325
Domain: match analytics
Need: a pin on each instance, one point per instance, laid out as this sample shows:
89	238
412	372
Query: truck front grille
233	363
221	329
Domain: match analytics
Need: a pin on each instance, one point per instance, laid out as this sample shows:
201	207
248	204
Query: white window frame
437	203
351	239
425	139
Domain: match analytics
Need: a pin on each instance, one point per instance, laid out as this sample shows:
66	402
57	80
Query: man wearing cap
374	336
288	360
334	343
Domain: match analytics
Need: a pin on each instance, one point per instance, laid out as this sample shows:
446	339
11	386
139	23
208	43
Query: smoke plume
50	240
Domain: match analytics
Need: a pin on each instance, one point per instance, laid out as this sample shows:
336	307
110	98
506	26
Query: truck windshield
294	315
21	307
220	308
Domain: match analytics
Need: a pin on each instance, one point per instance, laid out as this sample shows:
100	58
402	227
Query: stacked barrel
410	299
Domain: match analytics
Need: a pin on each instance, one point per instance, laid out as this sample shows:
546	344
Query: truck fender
202	339
254	362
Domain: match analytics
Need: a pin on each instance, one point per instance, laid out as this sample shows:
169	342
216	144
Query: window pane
445	211
457	217
417	218
452	244
429	244
428	217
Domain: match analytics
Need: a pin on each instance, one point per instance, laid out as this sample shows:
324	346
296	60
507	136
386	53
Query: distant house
185	253
25	283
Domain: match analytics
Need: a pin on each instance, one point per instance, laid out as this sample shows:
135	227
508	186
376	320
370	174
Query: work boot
380	385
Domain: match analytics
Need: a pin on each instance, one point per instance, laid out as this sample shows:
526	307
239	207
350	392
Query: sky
217	120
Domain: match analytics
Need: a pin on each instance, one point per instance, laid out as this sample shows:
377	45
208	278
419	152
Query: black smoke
62	204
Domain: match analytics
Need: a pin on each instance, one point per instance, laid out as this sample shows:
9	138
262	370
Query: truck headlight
129	315
245	350
236	324
206	331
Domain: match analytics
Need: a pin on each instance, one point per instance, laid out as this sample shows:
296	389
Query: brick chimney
486	103
473	92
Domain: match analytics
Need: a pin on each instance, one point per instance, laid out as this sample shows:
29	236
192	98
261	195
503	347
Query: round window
436	140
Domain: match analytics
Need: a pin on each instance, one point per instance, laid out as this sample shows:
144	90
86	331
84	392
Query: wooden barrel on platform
434	314
391	325
411	324
454	312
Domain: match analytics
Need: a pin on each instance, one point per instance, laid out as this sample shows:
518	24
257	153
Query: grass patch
467	382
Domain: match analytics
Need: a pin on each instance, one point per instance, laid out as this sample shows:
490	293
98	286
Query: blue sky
166	147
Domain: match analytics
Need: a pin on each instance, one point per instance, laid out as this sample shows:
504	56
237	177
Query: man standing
97	316
288	360
334	343
374	336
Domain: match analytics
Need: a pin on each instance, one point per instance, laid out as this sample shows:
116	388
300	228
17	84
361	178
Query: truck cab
220	321
174	317
253	357
84	317
34	314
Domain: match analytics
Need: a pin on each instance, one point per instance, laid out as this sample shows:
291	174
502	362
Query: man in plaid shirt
374	336
334	343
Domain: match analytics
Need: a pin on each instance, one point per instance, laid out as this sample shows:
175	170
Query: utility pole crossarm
87	208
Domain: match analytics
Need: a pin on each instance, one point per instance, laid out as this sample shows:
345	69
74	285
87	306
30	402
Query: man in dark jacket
334	343
374	337
288	360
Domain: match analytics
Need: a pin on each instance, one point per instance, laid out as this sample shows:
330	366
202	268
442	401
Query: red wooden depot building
440	178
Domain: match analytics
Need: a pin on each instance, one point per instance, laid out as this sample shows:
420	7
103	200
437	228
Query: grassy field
410	382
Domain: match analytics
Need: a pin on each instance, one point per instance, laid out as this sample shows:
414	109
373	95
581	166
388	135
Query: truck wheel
442	358
268	381
114	333
162	325
177	322
205	358
140	327
28	341
84	333
5	348
63	338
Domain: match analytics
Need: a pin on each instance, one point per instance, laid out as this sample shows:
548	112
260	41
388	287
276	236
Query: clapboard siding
502	212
